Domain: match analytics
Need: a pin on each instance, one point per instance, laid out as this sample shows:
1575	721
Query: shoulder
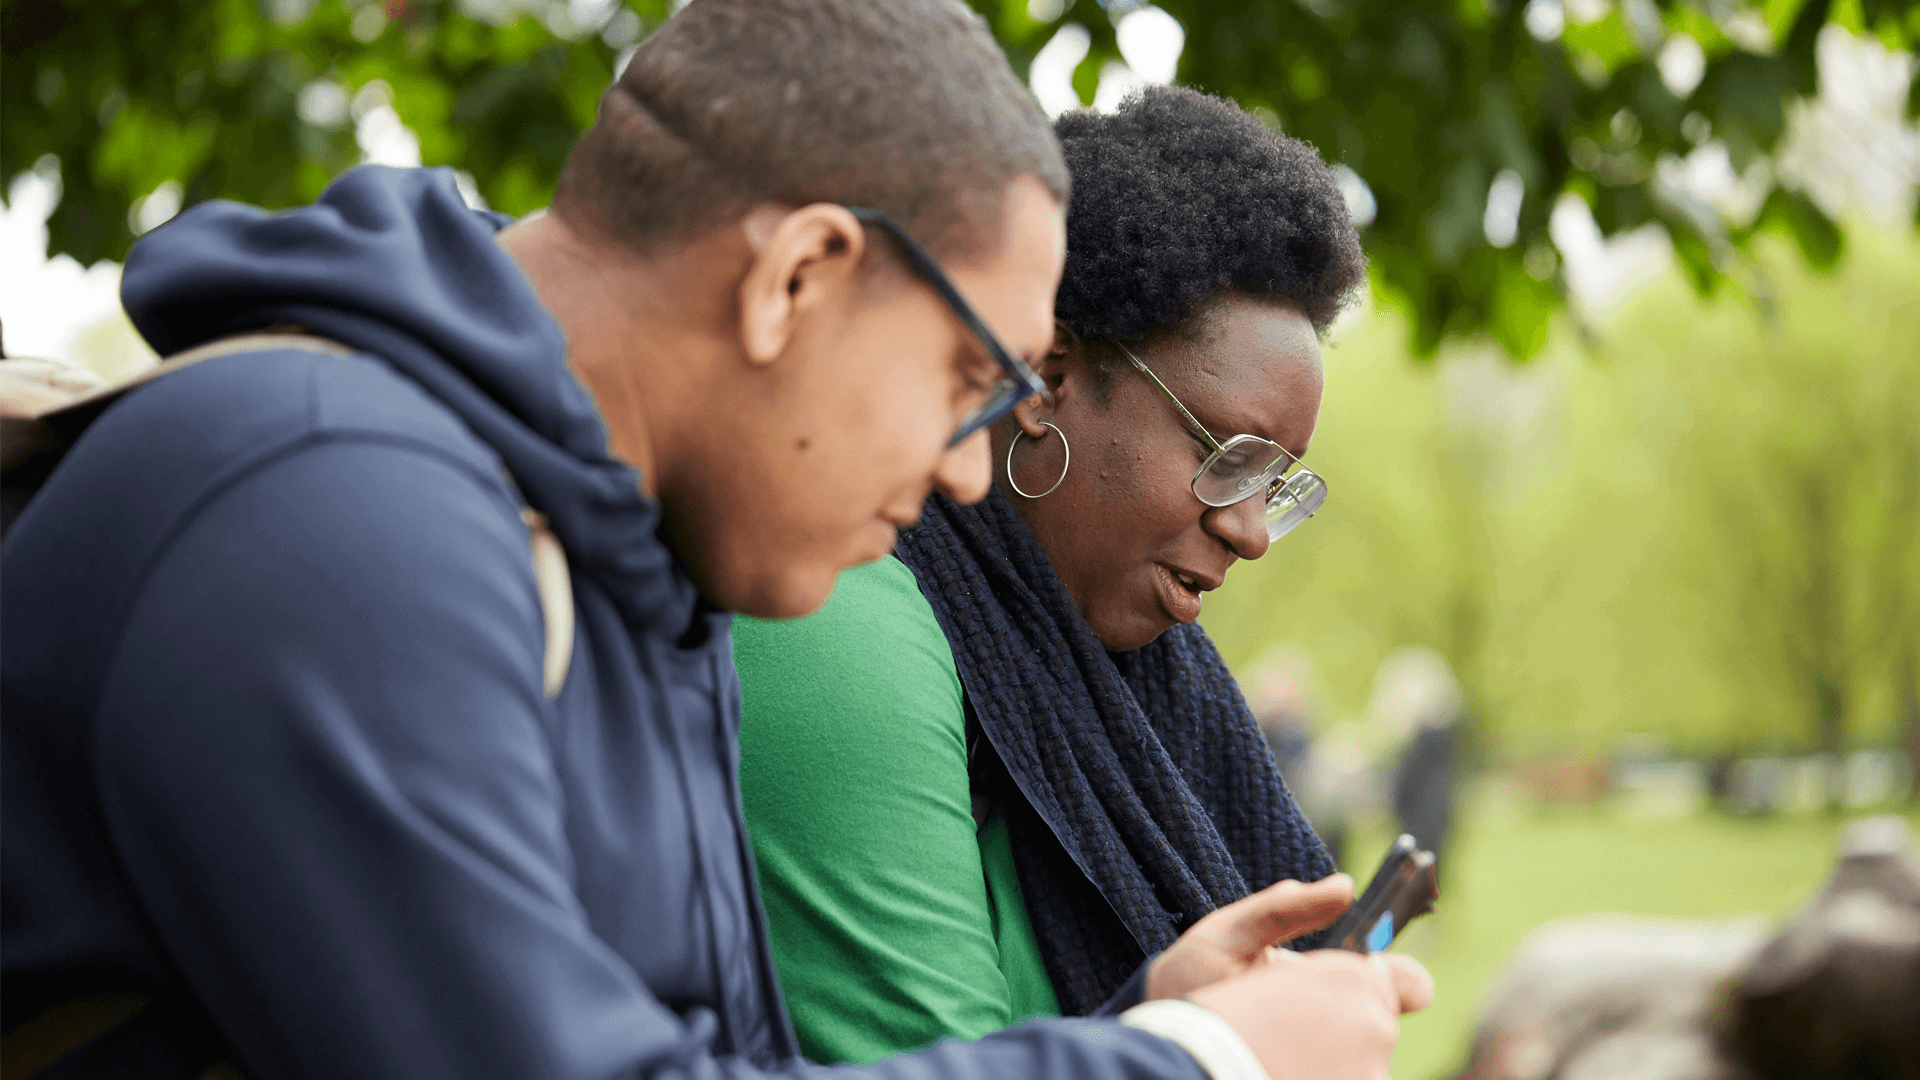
158	457
356	582
309	444
866	685
235	408
323	472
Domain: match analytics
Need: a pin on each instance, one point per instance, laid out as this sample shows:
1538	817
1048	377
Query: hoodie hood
393	262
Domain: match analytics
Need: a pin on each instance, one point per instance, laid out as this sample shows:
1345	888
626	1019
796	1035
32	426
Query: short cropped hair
903	105
1181	198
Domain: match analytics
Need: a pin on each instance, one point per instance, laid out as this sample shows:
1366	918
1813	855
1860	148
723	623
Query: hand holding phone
1403	889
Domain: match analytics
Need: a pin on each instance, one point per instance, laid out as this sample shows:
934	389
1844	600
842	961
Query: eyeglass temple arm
930	271
1197	425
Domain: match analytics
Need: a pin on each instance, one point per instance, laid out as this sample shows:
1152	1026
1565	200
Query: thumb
1280	912
1412	983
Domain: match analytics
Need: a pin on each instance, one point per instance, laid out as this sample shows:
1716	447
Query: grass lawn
1518	866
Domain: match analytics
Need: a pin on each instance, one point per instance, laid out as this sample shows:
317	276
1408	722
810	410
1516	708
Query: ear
1065	340
1052	369
807	256
1029	414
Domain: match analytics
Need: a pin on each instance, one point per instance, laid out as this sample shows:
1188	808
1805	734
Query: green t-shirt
894	923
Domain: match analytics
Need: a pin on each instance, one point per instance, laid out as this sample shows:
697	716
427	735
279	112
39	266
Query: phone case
1403	889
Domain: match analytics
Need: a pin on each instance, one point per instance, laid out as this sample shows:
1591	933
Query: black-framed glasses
1017	382
1248	465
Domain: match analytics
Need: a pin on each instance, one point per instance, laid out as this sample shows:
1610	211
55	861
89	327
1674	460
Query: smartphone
1403	889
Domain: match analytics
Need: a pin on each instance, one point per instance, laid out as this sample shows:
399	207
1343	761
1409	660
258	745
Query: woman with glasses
1004	769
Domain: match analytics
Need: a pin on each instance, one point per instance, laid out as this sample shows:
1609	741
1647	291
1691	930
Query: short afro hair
904	105
1181	198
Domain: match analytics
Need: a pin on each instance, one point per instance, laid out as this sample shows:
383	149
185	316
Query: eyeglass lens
1239	468
1247	466
1006	393
1297	499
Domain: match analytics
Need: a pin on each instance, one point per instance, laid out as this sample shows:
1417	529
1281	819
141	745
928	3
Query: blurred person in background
291	782
1278	690
1001	773
1417	700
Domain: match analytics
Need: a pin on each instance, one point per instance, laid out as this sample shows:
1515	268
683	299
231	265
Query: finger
1412	983
1278	913
1283	916
74	379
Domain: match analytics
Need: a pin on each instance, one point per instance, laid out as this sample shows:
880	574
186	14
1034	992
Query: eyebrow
1215	429
1298	457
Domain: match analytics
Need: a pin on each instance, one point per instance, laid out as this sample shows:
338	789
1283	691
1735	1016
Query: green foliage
128	94
1583	539
1700	523
1427	101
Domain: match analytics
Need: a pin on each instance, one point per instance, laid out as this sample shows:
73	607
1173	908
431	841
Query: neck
643	333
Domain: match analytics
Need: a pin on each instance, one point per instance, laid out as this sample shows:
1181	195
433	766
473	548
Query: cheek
1139	490
1124	504
885	393
872	461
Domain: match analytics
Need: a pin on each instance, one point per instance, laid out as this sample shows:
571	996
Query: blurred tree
1461	120
1466	119
1907	666
259	100
1705	526
1807	474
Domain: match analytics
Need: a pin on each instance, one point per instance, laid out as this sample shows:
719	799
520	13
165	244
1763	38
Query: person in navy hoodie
285	792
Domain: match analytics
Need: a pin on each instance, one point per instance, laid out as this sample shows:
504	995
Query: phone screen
1403	889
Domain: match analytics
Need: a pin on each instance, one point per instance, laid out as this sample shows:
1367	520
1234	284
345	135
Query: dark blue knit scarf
1138	791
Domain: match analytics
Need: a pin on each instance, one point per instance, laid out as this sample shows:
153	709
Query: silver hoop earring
1064	445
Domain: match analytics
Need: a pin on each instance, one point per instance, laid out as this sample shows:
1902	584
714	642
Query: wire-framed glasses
1248	465
1017	381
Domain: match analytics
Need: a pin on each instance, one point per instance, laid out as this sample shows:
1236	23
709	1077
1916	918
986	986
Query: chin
1132	631
791	592
771	578
796	598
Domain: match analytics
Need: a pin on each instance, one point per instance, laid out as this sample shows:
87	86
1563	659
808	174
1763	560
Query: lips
1179	593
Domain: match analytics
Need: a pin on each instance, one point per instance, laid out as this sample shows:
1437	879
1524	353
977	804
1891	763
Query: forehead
1253	368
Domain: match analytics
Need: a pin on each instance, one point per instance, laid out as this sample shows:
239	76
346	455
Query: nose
965	471
1242	526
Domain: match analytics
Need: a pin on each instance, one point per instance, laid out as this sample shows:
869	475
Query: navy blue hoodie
273	733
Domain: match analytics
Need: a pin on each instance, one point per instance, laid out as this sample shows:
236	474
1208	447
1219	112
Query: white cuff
1219	1049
